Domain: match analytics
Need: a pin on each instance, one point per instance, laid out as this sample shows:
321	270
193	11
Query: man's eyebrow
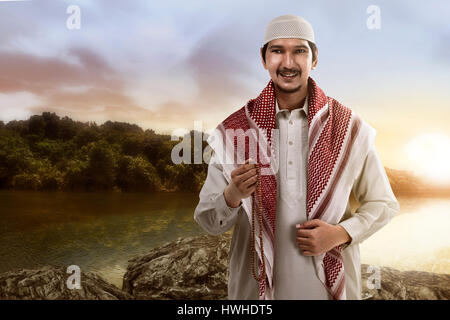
275	46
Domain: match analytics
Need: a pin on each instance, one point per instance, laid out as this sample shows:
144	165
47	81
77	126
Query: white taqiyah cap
289	26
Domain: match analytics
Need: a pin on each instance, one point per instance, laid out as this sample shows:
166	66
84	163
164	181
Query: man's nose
288	60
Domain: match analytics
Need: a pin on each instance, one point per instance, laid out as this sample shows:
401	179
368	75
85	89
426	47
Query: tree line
47	152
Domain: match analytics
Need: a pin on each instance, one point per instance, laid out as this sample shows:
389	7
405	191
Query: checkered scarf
338	140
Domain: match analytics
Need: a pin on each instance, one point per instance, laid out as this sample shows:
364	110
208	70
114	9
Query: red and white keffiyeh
339	141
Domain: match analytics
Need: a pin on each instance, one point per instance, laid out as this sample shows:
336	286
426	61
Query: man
313	153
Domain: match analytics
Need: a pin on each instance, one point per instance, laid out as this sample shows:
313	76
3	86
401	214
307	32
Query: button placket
283	150
290	148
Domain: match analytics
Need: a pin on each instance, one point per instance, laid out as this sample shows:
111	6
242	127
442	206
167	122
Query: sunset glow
429	154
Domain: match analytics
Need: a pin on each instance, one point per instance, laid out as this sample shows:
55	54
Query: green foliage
47	152
100	167
26	181
86	135
185	177
137	174
75	175
15	157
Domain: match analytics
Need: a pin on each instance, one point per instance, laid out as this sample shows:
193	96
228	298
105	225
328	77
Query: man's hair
312	46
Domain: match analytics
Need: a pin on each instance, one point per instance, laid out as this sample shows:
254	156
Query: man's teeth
288	74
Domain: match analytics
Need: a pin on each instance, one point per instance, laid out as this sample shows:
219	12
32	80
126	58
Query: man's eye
301	50
276	50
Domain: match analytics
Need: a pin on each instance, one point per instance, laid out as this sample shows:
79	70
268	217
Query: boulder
49	283
191	268
406	285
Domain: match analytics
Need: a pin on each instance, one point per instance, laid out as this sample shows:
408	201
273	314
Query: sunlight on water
416	239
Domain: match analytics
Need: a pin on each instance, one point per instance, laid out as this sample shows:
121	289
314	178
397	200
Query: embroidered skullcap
289	26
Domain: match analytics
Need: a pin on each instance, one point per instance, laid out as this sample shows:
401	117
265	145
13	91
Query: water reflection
98	232
416	239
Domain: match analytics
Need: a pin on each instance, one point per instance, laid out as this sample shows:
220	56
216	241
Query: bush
26	181
75	175
137	174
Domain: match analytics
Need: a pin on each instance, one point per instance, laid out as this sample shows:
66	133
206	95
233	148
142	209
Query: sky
165	64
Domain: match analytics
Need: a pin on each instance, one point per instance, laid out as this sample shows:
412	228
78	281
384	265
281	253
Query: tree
15	157
46	152
132	144
137	174
36	126
101	165
86	135
51	125
68	128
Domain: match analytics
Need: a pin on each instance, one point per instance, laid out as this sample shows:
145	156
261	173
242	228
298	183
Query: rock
191	268
197	268
49	283
407	285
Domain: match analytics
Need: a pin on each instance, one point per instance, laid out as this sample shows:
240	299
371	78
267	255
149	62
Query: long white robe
294	274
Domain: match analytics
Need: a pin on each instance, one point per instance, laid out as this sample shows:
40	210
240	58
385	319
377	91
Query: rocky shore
193	268
49	283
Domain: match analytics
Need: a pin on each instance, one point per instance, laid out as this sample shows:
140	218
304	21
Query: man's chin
288	89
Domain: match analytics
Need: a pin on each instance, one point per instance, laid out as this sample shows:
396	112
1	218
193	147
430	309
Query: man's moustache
290	71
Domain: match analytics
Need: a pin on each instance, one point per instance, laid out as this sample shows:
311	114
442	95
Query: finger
303	243
304	248
241	169
250	189
250	166
246	175
303	240
304	233
250	181
310	224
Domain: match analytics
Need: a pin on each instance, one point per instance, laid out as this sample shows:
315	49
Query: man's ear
314	64
262	59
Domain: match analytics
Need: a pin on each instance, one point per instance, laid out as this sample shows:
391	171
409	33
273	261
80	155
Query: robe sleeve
212	212
377	201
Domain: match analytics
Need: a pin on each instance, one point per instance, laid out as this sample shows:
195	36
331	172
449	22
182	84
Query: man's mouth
288	75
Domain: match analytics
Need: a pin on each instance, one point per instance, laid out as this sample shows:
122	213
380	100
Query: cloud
218	65
221	61
26	72
79	84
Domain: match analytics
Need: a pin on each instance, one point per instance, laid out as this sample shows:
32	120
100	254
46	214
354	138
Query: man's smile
288	75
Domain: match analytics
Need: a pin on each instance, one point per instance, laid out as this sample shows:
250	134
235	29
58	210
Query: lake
100	232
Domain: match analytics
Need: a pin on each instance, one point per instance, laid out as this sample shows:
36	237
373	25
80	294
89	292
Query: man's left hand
315	237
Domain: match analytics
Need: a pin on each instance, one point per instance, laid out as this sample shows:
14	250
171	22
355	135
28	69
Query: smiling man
294	235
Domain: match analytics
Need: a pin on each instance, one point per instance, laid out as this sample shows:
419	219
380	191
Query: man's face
289	62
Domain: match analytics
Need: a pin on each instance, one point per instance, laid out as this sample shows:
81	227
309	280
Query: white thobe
294	274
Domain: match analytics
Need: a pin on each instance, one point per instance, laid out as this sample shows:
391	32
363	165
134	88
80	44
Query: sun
429	155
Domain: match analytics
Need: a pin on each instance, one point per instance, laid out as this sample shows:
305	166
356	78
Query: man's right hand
242	184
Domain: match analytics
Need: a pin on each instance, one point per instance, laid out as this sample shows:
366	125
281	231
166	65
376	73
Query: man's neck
293	100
